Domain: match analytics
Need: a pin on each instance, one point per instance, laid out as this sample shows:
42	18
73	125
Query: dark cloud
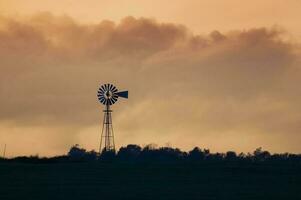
235	84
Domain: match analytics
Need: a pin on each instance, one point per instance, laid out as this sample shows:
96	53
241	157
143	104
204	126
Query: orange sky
201	16
223	75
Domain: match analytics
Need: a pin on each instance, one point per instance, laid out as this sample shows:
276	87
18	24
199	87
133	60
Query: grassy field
148	181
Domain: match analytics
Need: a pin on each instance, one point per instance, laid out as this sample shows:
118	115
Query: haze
223	75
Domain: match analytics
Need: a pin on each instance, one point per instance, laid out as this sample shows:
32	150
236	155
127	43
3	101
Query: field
148	181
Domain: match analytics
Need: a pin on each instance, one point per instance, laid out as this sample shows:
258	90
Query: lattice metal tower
108	94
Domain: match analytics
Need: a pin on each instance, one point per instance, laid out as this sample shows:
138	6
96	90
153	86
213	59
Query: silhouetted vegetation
149	153
149	172
79	154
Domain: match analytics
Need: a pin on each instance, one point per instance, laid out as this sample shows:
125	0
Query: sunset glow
223	75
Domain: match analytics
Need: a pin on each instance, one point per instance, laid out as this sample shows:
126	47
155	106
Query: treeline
134	153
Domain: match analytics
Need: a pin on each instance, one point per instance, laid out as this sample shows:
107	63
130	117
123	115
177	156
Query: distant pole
4	151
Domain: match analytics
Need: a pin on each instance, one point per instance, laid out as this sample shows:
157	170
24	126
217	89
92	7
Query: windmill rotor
108	94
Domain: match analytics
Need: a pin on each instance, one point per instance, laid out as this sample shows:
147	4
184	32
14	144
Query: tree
231	156
79	154
196	154
107	156
260	155
130	152
76	153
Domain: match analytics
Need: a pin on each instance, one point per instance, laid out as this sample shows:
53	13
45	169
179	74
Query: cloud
185	89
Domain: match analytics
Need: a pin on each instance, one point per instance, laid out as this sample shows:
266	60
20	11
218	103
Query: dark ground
149	181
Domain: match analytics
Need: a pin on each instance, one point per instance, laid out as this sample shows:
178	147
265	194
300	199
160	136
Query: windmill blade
102	100
111	87
107	87
123	94
103	88
100	89
115	96
109	101
100	97
114	99
114	89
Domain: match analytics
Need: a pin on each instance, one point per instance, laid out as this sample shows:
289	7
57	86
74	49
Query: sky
222	75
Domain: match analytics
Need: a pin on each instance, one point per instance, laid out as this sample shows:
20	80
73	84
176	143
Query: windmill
108	95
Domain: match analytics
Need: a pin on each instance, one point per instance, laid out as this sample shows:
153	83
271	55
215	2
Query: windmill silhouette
108	95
